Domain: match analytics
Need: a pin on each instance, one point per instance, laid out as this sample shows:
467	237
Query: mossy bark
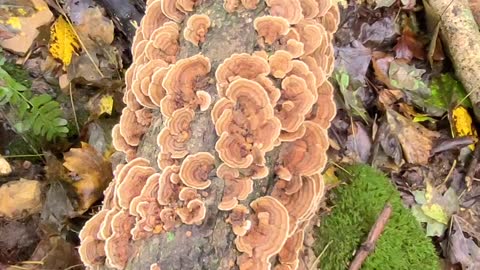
460	34
211	244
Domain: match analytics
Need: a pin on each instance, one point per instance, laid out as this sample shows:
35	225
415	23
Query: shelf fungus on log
224	142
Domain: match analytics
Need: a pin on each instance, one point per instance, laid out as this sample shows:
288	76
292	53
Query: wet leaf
94	29
20	198
352	101
54	252
464	250
408	46
94	174
384	3
106	104
404	76
382	30
63	41
330	177
354	60
359	143
435	212
446	91
416	140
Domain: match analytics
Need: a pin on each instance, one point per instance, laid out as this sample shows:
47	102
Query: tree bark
210	245
460	33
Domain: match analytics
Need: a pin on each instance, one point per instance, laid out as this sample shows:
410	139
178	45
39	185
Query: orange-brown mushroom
297	204
155	266
149	221
238	218
156	92
193	213
197	28
195	170
187	194
289	255
296	101
153	19
250	4
240	66
324	109
182	81
267	235
92	226
331	19
144	116
92	251
310	8
311	35
105	228
288	9
121	145
174	137
169	218
167	189
306	155
169	8
132	185
204	100
186	5
236	187
271	28
130	129
280	64
323	7
165	159
148	194
117	246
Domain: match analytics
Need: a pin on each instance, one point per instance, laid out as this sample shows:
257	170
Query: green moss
403	244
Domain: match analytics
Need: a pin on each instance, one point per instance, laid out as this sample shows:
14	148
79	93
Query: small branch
369	245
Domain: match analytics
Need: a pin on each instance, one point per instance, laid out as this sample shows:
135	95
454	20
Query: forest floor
400	109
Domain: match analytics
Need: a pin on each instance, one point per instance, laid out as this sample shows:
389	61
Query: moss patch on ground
403	244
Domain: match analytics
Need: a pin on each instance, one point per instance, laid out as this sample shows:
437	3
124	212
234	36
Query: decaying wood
460	34
369	245
124	15
211	245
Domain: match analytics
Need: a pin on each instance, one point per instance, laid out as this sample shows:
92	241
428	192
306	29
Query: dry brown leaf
5	168
415	139
95	29
21	198
93	170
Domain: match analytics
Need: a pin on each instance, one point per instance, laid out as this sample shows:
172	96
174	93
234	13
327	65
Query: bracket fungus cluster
269	110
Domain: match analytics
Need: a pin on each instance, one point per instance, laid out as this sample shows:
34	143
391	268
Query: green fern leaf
45	117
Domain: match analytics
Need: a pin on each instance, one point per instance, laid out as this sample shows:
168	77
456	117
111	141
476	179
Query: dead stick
369	245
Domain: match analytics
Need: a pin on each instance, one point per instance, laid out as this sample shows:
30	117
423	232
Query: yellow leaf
94	173
106	105
63	41
20	198
330	178
14	22
463	124
436	212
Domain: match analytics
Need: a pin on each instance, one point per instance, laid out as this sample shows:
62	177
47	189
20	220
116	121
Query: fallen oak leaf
408	46
94	171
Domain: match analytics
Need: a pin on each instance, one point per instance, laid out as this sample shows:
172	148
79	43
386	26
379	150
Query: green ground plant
357	204
40	114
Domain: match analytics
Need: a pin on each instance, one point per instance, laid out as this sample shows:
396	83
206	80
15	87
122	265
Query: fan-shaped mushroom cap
92	226
164	42
149	221
121	145
117	246
290	251
186	5
295	48
130	129
131	101
203	100
168	217
174	137
165	159
153	19
295	103
331	19
288	9
297	204
280	63
311	35
167	189
306	155
240	66
324	109
270	28
193	213
187	194
309	8
231	5
132	185
238	219
268	233
195	170
318	72
169	8
301	70
323	7
156	92
148	194
155	266
92	251
181	82
236	187
234	150
197	28
106	228
250	4
144	116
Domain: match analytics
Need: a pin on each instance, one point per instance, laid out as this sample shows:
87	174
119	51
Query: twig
369	245
73	108
320	255
472	167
